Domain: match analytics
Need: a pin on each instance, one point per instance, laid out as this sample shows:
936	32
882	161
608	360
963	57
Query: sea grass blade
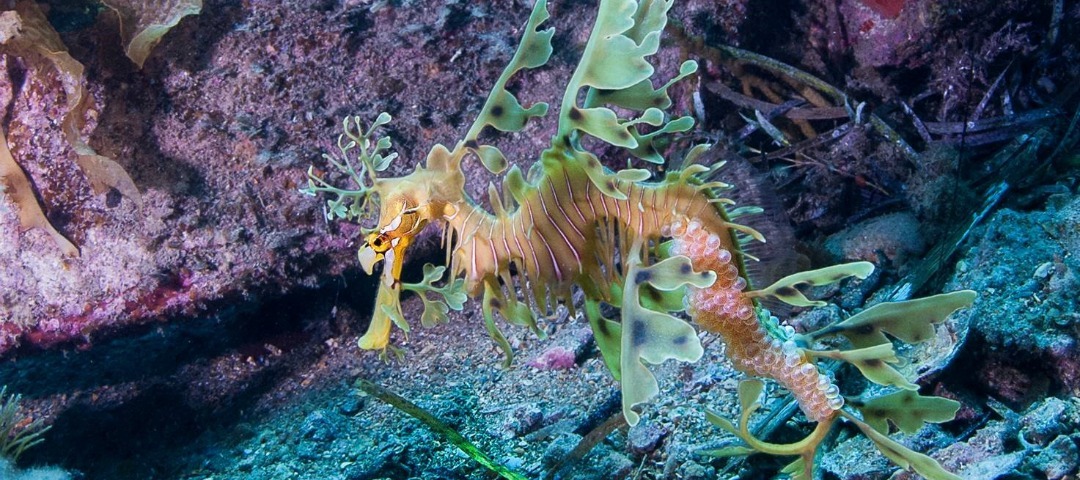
437	426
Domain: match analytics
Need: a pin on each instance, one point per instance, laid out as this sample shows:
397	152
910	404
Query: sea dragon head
405	206
408	204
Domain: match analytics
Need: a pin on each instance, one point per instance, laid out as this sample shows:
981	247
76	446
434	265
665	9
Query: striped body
559	237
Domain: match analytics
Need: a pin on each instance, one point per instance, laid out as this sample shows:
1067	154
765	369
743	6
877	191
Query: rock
993	467
1058	459
856	458
320	426
554	358
896	236
352	405
1044	422
691	470
982	453
645	437
524	419
559	447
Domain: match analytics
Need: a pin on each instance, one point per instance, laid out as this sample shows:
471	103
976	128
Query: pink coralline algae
885	8
555	358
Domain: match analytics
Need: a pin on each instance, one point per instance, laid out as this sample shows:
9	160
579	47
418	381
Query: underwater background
177	309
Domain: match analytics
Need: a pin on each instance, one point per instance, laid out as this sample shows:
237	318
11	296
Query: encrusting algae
653	248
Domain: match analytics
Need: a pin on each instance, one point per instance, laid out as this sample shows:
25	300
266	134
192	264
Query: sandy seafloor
210	332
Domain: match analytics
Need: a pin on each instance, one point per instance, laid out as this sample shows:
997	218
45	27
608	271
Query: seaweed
435	425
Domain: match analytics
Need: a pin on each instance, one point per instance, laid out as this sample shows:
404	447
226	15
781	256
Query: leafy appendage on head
361	156
452	293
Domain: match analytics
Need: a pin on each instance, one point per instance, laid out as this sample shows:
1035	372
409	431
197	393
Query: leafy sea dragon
653	248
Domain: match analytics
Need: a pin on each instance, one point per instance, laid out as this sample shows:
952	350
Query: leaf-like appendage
452	295
648	146
750	394
502	110
907	410
797	470
387	312
651	336
602	179
873	363
360	156
492	298
492	158
608	335
145	22
13	182
435	312
911	321
785	291
602	123
615	71
904	457
722	422
612	59
28	34
672	273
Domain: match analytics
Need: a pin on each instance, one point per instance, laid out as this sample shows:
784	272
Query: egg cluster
723	309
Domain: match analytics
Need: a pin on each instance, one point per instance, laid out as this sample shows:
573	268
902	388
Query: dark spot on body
575	114
654	295
873	363
497	111
864	329
611	185
642	277
602	325
638	332
624	135
787	291
680	340
657	101
495	303
685	269
112	198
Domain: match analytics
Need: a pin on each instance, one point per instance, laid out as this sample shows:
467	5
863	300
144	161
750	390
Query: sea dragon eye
379	242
